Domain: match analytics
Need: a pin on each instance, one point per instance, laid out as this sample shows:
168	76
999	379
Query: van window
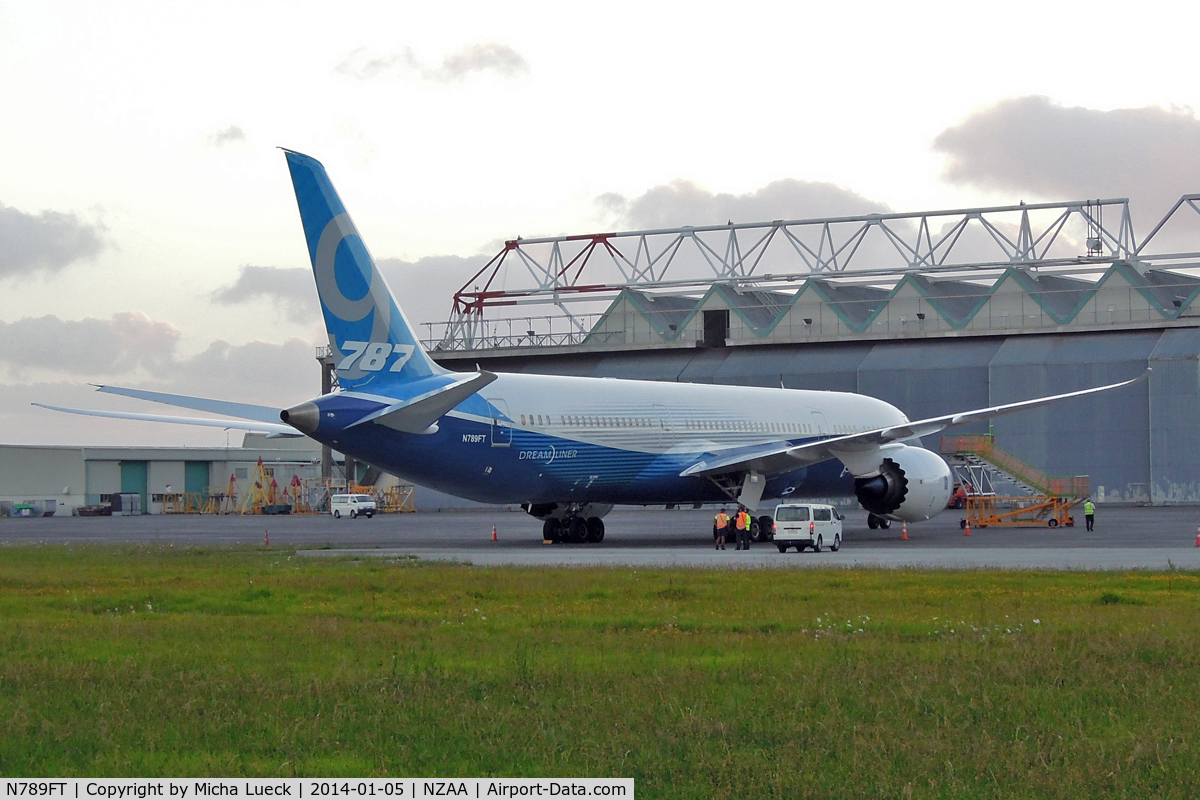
821	514
792	514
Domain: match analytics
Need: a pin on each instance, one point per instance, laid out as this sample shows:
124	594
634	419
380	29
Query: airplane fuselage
545	438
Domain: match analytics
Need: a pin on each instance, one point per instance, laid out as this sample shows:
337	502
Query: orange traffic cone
904	533
494	539
967	529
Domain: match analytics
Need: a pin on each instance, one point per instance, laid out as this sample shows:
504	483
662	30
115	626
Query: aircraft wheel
576	530
552	531
818	544
872	521
837	543
782	548
595	530
885	523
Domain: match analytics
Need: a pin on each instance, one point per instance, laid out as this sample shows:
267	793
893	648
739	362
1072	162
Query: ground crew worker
1089	513
720	526
742	523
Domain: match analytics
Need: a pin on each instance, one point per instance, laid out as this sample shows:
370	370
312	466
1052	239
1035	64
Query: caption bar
296	788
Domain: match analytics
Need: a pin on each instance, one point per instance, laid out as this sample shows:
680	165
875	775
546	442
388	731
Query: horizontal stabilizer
417	414
272	428
239	410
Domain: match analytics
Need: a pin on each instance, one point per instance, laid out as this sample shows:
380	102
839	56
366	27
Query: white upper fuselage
662	417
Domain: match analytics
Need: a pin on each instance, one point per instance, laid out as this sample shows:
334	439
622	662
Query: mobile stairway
1035	498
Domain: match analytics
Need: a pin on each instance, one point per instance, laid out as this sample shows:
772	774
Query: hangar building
1047	313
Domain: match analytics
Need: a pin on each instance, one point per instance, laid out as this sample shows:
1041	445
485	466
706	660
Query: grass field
143	661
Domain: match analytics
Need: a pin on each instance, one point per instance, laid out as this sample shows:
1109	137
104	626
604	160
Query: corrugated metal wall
1140	443
1175	417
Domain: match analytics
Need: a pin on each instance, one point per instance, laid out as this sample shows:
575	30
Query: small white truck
352	505
802	525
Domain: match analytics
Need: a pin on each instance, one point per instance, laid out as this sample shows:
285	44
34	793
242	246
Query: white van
352	505
802	525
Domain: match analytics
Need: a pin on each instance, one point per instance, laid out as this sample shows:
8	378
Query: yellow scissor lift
1049	502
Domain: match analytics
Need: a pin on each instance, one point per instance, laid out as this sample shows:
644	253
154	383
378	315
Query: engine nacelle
913	484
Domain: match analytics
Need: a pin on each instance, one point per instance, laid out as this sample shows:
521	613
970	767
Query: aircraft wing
773	458
274	429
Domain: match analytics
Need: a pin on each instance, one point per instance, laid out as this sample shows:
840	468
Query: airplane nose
304	417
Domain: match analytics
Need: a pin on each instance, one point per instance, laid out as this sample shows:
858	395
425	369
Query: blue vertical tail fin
372	341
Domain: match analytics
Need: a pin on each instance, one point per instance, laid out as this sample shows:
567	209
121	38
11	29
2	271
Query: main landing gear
570	523
874	522
573	530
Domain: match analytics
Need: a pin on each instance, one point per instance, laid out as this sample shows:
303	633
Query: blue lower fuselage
460	459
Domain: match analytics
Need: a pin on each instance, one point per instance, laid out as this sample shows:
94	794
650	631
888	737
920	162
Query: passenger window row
589	421
741	425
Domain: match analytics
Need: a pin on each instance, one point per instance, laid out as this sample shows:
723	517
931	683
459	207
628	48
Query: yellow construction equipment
258	494
1019	512
1049	502
394	499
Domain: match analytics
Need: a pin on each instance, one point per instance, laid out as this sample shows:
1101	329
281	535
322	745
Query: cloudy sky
149	236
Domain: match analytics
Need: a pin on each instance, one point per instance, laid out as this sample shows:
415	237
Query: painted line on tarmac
1064	559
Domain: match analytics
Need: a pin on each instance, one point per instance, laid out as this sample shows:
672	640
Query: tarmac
1152	538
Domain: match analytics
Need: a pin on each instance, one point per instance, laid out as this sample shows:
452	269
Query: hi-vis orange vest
722	520
743	521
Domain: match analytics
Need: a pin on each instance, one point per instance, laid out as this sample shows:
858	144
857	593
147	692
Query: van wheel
337	514
353	513
837	542
817	544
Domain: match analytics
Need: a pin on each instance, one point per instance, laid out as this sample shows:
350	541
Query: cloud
498	58
1032	145
289	289
683	202
47	241
90	346
424	288
133	346
455	67
265	373
228	136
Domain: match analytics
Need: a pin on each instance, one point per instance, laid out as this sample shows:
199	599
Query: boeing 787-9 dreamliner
569	448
